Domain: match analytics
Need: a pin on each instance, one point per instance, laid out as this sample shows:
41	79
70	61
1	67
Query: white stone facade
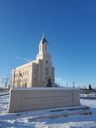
35	73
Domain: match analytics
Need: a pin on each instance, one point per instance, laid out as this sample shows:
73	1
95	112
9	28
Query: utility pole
4	81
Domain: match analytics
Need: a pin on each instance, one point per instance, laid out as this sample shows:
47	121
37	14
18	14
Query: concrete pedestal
22	99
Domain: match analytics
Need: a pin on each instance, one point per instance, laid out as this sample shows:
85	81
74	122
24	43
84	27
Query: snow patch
24	119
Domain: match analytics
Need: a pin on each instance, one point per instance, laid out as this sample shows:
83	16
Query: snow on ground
30	120
4	103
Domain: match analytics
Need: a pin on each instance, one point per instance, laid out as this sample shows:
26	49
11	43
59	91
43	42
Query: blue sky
69	27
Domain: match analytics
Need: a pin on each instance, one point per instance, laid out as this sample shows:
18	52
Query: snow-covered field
36	119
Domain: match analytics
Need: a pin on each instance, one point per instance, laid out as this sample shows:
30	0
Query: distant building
35	73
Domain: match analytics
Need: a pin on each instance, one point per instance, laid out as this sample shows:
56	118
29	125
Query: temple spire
43	40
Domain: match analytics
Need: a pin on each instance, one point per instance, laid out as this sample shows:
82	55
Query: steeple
43	40
43	46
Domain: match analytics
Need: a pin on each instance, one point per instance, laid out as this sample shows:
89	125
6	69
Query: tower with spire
43	59
43	48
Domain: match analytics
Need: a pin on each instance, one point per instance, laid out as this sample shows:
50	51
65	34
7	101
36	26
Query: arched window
45	47
46	71
46	61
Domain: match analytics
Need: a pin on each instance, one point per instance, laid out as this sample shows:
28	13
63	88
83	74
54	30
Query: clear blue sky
69	26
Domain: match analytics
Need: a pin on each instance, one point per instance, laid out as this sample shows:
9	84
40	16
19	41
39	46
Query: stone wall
42	98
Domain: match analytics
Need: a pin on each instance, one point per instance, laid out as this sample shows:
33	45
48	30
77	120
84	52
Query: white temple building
36	73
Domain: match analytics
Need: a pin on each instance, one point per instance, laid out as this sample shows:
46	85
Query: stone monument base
28	99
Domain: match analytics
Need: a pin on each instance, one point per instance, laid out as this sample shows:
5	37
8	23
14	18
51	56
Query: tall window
34	70
45	47
46	61
46	71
